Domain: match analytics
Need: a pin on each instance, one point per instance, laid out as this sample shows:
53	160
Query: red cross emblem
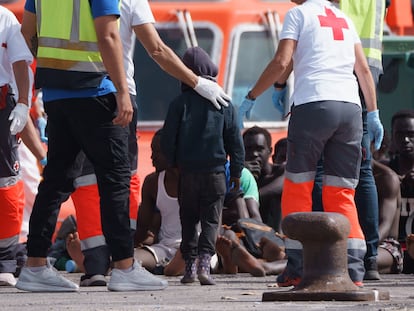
337	24
16	166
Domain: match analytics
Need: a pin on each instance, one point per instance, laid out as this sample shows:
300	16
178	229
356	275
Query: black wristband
249	96
279	86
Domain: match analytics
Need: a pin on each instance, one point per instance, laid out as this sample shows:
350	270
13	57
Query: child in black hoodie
197	138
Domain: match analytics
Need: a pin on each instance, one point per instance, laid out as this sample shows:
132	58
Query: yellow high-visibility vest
368	17
68	56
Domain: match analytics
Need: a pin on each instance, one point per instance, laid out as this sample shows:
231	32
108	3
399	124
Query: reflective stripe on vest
368	18
67	40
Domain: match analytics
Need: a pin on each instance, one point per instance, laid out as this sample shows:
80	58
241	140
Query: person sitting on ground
402	162
234	256
269	178
390	258
158	234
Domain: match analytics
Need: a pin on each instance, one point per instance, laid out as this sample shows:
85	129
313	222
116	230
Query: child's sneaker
190	271
203	270
135	280
47	279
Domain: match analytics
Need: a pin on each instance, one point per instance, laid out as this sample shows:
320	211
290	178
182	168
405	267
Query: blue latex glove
41	125
375	128
278	98
43	162
245	110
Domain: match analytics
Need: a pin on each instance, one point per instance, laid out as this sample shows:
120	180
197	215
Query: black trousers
84	124
201	198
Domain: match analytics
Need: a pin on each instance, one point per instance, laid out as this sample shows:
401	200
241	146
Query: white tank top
170	231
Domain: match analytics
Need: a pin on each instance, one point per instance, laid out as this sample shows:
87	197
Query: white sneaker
45	280
7	279
135	280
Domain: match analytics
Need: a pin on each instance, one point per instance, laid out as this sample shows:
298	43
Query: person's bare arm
110	47
21	74
277	69
146	208
388	186
365	80
163	55
29	31
273	188
253	209
172	64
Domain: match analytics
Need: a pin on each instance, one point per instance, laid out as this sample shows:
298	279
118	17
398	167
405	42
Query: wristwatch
279	86
249	96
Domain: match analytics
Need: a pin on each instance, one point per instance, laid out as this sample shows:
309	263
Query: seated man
233	254
158	234
390	258
402	162
269	178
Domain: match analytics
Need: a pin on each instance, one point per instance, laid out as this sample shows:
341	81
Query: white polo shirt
13	47
325	55
133	13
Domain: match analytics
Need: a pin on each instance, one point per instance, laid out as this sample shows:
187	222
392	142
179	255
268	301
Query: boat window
251	50
155	88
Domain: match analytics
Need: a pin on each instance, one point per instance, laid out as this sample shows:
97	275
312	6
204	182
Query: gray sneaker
136	280
45	280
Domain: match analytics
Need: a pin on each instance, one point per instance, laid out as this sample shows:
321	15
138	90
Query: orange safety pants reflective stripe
296	197
341	200
11	210
88	213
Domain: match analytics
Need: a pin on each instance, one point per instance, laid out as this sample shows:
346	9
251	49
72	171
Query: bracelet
249	96
279	86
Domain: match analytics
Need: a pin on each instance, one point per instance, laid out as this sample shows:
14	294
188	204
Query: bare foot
73	247
246	261
274	267
270	250
223	247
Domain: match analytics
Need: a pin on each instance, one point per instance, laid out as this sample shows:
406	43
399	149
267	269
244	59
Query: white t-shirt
133	13
324	59
13	47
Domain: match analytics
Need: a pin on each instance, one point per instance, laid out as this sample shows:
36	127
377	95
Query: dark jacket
197	137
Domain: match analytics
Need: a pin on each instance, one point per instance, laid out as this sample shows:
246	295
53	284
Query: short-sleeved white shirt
13	47
133	13
324	59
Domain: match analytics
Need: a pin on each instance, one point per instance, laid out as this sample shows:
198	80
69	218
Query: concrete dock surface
232	293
